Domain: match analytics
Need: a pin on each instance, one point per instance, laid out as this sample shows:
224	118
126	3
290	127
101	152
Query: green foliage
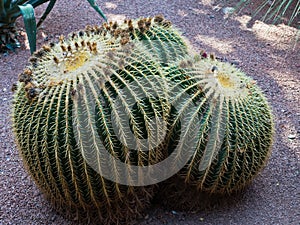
276	10
10	10
30	25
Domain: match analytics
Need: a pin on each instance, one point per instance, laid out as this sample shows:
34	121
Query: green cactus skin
236	133
59	74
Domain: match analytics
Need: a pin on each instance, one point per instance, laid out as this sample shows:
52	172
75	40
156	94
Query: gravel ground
266	52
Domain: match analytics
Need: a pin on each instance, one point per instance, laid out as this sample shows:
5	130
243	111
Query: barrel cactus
236	129
71	111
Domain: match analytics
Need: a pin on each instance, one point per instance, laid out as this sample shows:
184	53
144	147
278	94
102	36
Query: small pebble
201	219
174	212
4	90
53	218
228	10
292	136
235	63
211	16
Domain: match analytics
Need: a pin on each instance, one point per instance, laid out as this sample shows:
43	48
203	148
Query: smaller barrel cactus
236	124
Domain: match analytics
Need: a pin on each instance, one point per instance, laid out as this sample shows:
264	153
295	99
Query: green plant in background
276	10
10	10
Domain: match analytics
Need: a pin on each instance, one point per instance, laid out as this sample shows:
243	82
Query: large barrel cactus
82	109
236	129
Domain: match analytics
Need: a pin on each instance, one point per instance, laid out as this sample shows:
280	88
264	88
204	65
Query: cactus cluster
97	92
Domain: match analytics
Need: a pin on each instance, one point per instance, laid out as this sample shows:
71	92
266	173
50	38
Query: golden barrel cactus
235	135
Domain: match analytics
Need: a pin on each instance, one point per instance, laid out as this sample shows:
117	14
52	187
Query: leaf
36	3
96	7
47	11
2	8
30	25
11	47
